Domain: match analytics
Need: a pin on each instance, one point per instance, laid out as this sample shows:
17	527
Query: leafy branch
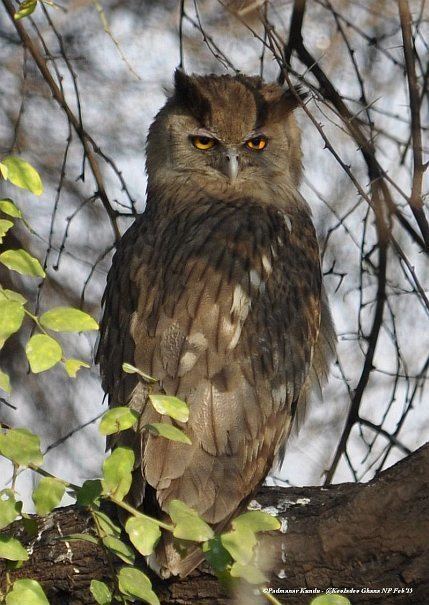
231	554
43	350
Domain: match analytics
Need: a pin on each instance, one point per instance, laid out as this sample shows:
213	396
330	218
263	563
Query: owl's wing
116	345
120	299
323	355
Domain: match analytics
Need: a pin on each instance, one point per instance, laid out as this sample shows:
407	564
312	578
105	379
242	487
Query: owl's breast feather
238	276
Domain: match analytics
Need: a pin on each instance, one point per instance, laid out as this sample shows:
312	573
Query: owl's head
225	135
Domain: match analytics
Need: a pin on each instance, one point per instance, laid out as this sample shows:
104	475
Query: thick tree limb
359	536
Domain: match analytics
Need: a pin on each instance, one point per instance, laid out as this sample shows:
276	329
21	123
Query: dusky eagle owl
216	290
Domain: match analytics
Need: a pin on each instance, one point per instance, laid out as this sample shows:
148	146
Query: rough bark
366	537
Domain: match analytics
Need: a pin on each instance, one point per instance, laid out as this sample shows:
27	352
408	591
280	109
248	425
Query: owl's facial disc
227	158
228	136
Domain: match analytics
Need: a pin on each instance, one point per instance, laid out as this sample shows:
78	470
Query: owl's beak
231	164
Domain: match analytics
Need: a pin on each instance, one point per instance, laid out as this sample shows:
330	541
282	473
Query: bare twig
415	200
60	98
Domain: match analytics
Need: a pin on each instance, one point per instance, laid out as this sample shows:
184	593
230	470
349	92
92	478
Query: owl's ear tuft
280	106
296	96
188	93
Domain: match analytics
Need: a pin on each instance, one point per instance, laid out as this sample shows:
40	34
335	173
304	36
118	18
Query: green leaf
3	171
30	525
106	525
22	262
4	228
168	431
4	382
144	534
21	446
11	295
25	8
239	543
218	557
48	494
43	352
26	592
9	508
11	318
188	524
256	520
117	419
8	207
20	172
12	549
79	538
117	472
68	319
72	366
13	565
250	573
171	406
129	369
89	493
330	599
134	583
120	549
101	592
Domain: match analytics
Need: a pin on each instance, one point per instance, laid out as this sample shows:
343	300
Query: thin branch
380	430
181	17
60	98
328	91
71	433
415	200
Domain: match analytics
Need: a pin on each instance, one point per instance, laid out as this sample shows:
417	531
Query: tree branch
364	537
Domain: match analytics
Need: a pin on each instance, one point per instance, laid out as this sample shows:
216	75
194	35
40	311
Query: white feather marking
287	222
240	308
231	331
256	281
198	340
235	337
240	304
187	362
279	395
266	264
255	278
227	326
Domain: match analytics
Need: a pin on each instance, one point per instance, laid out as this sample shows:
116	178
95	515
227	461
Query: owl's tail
168	560
171	558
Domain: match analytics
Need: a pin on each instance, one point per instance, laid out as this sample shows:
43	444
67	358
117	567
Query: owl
216	291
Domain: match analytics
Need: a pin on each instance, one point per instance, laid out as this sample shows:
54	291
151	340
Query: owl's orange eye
257	143
203	143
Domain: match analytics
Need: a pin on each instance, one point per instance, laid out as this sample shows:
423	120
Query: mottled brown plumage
216	290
